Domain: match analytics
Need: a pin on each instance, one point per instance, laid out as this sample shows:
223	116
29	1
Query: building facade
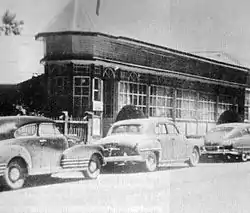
87	71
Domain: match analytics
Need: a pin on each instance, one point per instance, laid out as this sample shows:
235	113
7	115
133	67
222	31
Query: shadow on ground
127	169
43	180
218	159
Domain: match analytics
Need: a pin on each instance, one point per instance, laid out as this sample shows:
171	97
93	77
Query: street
209	187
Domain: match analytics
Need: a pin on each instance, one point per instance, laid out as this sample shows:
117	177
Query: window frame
48	135
29	136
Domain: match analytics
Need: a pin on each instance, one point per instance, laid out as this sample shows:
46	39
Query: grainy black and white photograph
124	106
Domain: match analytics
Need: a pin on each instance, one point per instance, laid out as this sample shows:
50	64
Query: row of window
45	129
188	104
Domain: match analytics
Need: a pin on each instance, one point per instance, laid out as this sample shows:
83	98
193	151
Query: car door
28	138
166	143
178	143
53	143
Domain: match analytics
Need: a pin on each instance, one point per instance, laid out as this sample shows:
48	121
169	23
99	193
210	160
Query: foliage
229	116
10	26
129	112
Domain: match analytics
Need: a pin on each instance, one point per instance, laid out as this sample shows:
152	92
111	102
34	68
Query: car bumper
134	158
219	151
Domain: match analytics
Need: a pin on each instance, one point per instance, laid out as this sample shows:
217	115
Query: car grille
212	148
116	150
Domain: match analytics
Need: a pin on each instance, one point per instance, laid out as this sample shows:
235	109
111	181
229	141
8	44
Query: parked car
33	145
151	142
229	140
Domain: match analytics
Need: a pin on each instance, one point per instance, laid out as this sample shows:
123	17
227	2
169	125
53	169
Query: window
59	85
207	106
26	131
247	104
97	89
81	91
172	129
160	129
48	129
225	103
161	101
81	86
186	104
134	94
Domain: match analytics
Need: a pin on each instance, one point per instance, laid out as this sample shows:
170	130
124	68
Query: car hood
124	140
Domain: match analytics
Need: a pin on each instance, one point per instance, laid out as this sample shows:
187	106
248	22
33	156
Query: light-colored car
151	142
230	140
33	146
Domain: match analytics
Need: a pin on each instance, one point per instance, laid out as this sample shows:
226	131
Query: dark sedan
231	140
32	145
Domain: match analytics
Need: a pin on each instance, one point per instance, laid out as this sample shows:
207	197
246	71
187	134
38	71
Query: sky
186	25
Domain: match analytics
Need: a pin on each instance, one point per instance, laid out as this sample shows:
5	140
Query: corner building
100	72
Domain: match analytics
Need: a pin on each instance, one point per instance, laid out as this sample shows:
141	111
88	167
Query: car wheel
15	175
194	158
150	163
94	168
244	157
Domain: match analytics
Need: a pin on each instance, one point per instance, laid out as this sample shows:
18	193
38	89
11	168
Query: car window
245	131
172	129
221	129
160	129
133	128
48	129
26	131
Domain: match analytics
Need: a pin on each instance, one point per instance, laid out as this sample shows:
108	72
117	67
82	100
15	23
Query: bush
129	112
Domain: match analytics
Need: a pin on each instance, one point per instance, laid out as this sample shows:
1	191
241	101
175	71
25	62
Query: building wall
190	90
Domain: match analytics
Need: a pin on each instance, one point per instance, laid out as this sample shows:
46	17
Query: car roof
238	125
144	121
23	120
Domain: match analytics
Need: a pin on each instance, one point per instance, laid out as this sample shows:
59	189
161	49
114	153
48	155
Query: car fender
150	145
83	151
9	152
195	142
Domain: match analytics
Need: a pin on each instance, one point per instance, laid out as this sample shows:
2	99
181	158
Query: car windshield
131	128
221	130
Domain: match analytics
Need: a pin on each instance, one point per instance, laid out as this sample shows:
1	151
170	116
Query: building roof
124	19
117	18
220	56
75	16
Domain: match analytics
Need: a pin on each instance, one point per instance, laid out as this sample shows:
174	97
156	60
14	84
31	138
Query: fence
73	126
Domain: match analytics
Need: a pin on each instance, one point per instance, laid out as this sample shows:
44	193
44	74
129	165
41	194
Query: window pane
28	130
46	129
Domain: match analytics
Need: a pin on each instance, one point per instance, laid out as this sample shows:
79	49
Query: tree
10	26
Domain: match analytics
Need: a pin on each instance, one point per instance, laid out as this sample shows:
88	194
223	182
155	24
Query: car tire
150	163
94	168
194	158
243	158
15	175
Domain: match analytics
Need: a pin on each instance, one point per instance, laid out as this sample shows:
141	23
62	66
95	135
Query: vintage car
230	140
32	145
150	142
